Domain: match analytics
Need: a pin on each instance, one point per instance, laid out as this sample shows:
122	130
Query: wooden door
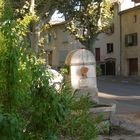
97	54
50	58
110	67
133	66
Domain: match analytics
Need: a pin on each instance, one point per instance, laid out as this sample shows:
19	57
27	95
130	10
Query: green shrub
98	70
31	108
48	108
80	124
10	127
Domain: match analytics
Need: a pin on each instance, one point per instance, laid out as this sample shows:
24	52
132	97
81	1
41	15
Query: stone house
130	41
58	43
107	47
117	51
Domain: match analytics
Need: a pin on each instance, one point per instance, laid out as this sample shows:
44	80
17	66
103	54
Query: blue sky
125	4
57	17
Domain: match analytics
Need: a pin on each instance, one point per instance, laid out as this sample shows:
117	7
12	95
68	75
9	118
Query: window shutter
131	39
135	38
48	38
126	40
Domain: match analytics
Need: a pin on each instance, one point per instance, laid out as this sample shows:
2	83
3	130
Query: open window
131	39
109	47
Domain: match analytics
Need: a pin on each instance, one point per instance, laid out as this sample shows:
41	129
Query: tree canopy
91	18
31	108
85	19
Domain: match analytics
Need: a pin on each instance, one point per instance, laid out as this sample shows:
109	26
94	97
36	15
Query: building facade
107	47
130	41
118	52
58	43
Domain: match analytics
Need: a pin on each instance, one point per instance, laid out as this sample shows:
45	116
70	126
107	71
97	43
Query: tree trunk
88	44
35	33
32	7
35	37
36	26
91	44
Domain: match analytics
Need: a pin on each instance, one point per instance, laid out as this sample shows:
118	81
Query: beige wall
61	44
128	26
114	38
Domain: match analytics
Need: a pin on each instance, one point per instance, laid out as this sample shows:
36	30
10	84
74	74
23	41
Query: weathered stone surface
83	72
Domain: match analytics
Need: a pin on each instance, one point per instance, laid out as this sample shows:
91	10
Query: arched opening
110	65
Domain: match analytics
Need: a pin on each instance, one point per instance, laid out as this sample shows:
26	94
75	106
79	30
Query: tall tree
88	19
85	18
40	10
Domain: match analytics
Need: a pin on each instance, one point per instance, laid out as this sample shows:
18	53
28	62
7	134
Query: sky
56	18
126	4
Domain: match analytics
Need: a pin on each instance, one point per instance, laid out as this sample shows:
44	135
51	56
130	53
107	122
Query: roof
80	56
57	23
130	9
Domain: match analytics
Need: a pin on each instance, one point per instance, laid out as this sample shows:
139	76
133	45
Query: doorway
110	67
133	66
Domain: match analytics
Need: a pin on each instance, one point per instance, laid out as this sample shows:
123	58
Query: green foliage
65	69
80	124
15	79
91	18
10	127
98	70
25	90
6	12
85	18
31	109
48	106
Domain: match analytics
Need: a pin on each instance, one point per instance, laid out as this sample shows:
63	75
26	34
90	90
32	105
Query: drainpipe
120	16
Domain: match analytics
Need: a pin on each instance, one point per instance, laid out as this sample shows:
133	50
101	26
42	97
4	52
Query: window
109	47
135	18
131	39
97	54
48	38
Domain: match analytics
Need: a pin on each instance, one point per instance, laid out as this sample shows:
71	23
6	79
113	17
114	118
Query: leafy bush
98	70
80	124
65	69
48	106
31	108
10	127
